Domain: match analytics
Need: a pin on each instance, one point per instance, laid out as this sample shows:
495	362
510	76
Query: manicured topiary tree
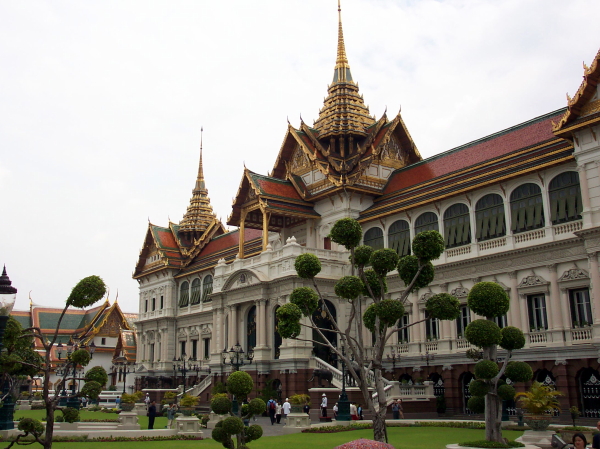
87	292
488	299
97	374
380	317
239	384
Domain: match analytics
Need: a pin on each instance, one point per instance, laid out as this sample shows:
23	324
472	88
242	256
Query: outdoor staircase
197	389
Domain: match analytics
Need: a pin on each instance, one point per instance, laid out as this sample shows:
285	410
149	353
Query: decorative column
242	235
266	218
415	331
514	310
564	307
595	277
556	312
233	325
585	197
261	324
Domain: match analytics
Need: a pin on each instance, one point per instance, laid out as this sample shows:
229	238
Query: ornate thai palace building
520	207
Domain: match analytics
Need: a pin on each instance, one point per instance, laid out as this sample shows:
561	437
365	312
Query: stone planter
188	425
187	411
539	438
128	421
127	406
296	421
214	419
296	408
537	422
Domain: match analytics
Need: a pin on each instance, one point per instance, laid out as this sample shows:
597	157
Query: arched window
207	288
426	222
399	237
251	328
195	299
457	226
565	198
184	294
526	208
489	217
374	238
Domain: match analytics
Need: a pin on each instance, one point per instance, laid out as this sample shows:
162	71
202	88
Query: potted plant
419	381
139	396
188	404
127	402
298	401
169	397
539	402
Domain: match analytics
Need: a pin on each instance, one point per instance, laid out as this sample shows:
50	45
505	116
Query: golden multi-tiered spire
344	111
199	214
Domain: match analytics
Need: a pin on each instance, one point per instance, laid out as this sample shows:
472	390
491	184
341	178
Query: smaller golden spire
199	214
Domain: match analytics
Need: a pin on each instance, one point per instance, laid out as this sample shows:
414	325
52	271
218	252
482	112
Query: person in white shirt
335	411
278	413
324	406
286	408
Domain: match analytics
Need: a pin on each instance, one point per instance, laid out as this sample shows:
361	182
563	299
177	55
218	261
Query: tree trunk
379	433
493	417
49	421
379	426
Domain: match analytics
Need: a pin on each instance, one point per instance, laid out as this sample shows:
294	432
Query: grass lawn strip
400	437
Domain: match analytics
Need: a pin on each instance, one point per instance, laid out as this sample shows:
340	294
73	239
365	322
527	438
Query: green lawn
159	423
400	437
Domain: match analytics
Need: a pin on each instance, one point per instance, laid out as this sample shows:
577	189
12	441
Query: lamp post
180	364
8	295
237	359
394	358
67	368
120	364
343	413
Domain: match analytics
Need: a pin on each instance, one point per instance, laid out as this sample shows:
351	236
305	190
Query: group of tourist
276	410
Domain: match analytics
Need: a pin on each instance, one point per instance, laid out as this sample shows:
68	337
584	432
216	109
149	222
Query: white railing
337	374
564	228
458	251
531	235
431	346
199	387
462	343
389	397
538	337
584	334
403	349
491	244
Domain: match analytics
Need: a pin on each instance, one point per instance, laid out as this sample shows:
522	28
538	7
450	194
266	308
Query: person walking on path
117	401
278	413
360	412
287	407
353	412
170	415
151	415
147	400
400	409
272	408
324	406
396	410
335	411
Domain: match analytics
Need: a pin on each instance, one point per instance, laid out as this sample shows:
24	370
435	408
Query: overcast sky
101	104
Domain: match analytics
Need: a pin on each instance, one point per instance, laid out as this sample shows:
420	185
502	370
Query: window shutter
479	223
500	225
466	232
539	214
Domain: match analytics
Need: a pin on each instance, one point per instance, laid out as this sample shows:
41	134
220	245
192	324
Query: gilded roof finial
342	67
